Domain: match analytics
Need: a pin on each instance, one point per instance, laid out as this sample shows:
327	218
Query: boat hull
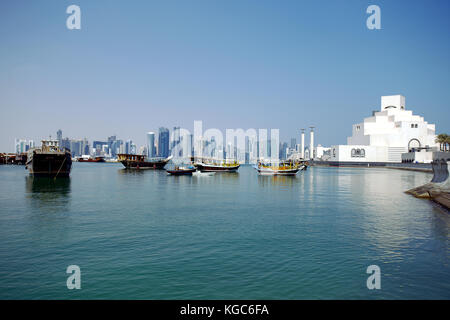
276	172
211	168
143	165
91	160
187	172
49	164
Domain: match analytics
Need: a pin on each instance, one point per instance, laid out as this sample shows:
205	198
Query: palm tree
443	140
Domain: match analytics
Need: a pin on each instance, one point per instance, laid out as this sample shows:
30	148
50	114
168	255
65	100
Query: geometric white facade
387	134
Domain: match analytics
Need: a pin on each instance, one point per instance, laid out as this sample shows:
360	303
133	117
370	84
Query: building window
358	153
414	125
358	128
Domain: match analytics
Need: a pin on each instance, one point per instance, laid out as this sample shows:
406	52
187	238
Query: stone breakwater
438	189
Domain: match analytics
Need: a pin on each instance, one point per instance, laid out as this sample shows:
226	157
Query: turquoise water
146	235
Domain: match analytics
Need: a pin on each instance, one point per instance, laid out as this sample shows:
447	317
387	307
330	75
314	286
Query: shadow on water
49	194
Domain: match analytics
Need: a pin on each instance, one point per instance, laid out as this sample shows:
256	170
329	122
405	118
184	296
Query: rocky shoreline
438	189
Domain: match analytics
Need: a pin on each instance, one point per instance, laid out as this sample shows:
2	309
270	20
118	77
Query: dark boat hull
181	172
291	172
20	159
129	164
50	165
91	160
210	168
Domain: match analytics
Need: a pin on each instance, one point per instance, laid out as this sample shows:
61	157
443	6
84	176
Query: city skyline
174	142
289	141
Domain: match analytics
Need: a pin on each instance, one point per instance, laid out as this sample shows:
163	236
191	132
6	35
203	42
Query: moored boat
90	159
284	168
13	158
49	160
136	161
217	165
181	171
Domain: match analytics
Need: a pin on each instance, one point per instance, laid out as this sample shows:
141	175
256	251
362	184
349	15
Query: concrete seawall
421	167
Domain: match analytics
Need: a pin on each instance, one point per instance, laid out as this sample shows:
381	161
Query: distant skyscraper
85	149
229	152
133	148
186	145
99	144
98	148
283	150
163	142
76	148
22	146
262	145
114	145
253	149
247	149
151	150
293	143
65	143
19	145
59	136
175	137
121	147
128	147
111	141
79	147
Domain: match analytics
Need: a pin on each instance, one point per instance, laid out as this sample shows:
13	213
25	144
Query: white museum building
387	134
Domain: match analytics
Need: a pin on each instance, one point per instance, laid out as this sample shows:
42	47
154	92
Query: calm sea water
146	235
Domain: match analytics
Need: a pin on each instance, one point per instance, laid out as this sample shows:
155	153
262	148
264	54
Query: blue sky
138	65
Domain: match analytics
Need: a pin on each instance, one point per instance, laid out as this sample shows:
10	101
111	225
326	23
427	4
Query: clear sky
137	65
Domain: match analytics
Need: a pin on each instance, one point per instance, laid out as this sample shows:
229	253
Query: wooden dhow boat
217	165
90	159
282	168
137	161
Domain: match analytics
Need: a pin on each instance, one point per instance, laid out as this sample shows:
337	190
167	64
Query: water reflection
186	180
48	194
388	218
217	178
227	175
440	222
332	221
276	180
131	172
